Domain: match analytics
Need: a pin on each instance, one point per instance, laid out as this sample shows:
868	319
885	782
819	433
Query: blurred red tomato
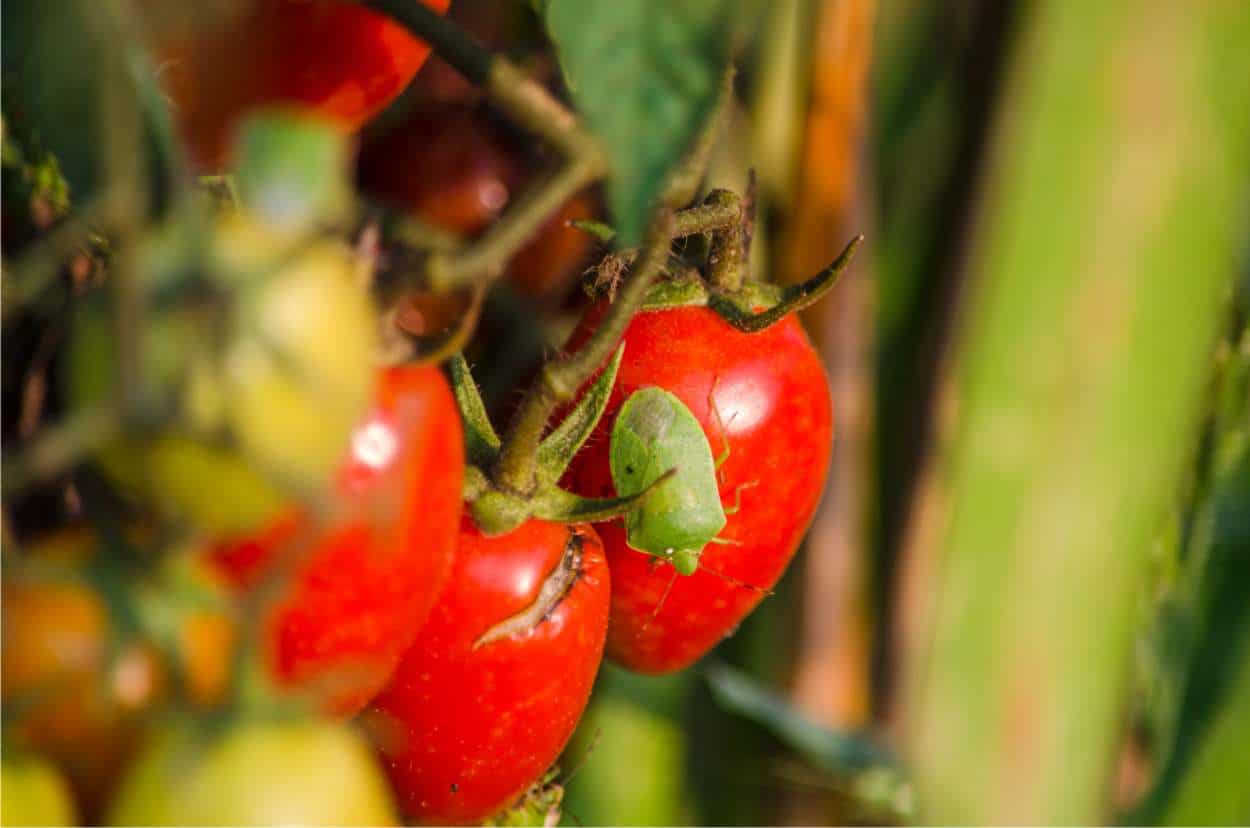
333	56
451	166
365	583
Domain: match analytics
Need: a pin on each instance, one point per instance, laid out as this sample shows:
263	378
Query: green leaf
645	75
837	752
293	169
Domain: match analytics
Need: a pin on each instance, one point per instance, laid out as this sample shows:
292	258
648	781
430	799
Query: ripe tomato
219	61
492	687
255	773
368	579
34	793
449	165
772	398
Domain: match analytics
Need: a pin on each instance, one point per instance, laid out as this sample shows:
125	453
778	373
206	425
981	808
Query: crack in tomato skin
764	393
553	590
491	719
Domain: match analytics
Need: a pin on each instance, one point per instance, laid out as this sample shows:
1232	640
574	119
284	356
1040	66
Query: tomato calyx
550	594
540	805
720	231
497	509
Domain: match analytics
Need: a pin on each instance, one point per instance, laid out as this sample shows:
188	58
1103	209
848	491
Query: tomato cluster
353	622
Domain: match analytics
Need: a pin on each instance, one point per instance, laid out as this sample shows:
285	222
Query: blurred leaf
293	169
1205	629
645	75
1074	414
71	82
835	751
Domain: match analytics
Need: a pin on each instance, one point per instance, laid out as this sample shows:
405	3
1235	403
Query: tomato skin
335	57
462	731
374	573
772	396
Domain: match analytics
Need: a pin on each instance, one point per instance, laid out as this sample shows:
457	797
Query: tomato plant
365	581
254	773
765	398
343	61
491	689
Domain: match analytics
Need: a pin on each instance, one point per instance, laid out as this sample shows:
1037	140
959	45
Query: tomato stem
560	380
532	108
453	44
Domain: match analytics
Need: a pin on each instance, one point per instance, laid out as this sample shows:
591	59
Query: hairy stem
560	379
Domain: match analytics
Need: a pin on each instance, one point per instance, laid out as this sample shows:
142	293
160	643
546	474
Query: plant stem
58	447
531	107
560	379
485	260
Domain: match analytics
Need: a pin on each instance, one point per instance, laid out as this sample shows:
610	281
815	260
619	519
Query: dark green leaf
837	752
645	75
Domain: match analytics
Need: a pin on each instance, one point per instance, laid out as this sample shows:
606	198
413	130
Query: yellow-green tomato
32	792
298	370
255	773
261	378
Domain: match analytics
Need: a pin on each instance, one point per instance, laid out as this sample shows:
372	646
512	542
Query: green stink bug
655	433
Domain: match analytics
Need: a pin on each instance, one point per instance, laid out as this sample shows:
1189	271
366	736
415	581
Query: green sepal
558	448
481	443
738	309
675	293
560	506
539	806
475	483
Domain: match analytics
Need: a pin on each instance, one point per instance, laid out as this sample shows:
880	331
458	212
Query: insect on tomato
763	397
492	687
367	581
218	61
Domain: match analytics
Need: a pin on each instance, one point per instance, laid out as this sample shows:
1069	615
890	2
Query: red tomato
477	712
451	166
369	580
342	60
772	397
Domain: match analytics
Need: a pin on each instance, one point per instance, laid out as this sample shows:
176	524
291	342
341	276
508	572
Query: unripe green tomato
255	773
297	373
265	383
32	792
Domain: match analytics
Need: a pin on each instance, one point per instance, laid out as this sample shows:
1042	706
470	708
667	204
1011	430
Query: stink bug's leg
726	542
720	424
732	580
737	507
659	605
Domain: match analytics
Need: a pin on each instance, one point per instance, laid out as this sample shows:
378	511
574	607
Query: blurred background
1024	596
